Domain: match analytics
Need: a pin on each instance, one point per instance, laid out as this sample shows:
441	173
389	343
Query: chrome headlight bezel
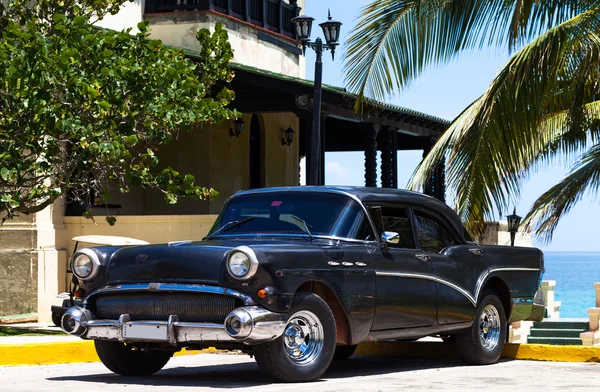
252	262
93	257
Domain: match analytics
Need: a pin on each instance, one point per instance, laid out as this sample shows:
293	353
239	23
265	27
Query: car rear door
456	267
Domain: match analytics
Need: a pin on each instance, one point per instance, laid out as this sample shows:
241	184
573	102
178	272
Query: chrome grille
198	307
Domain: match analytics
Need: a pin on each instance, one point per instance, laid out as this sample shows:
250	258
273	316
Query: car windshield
325	214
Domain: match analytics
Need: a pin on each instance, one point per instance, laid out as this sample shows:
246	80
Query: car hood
197	262
201	262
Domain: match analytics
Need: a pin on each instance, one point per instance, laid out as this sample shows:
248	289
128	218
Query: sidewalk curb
532	352
60	353
83	351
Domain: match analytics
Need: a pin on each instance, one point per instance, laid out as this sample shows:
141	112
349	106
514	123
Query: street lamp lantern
303	27
514	221
331	30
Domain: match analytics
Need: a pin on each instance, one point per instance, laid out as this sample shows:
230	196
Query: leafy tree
542	104
84	110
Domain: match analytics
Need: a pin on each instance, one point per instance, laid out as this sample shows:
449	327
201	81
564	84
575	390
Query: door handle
476	251
422	257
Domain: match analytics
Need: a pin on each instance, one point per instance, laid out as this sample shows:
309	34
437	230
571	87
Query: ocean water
575	274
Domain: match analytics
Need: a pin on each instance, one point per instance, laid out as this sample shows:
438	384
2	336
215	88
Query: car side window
433	237
397	220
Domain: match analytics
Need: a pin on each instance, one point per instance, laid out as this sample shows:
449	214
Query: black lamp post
513	225
331	31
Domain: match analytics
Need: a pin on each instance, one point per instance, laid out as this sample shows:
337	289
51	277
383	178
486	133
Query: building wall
496	233
154	229
179	30
18	266
130	14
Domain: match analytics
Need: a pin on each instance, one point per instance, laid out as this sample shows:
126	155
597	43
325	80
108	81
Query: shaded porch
380	127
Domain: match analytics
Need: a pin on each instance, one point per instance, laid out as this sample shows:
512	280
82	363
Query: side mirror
391	237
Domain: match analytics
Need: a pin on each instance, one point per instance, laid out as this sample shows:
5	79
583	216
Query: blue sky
445	92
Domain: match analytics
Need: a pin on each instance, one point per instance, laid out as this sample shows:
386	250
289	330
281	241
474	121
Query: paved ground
209	372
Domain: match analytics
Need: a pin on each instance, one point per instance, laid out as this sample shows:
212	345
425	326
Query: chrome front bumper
247	324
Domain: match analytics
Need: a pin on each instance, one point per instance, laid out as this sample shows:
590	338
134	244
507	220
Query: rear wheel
483	343
306	348
127	361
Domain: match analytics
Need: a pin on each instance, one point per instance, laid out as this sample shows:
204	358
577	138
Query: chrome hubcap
489	327
303	337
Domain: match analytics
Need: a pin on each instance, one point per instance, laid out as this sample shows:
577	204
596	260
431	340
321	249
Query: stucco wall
18	266
179	30
154	229
496	233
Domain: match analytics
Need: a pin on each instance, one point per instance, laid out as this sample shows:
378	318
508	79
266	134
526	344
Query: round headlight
238	265
82	266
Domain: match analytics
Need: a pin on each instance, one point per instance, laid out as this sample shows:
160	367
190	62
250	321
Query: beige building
277	103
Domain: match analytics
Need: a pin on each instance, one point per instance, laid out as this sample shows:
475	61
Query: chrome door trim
472	298
484	275
431	278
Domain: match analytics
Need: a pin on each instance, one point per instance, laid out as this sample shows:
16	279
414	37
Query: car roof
379	195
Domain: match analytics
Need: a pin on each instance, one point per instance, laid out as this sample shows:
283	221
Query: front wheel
306	348
127	361
483	343
344	352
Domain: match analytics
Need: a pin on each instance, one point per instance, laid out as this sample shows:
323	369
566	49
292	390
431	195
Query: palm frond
395	40
560	199
537	106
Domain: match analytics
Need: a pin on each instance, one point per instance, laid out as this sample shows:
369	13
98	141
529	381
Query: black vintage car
298	277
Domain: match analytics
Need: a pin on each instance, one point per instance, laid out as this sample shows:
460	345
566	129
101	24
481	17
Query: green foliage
542	103
84	111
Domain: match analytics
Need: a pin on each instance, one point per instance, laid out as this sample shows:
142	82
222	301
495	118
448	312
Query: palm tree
542	105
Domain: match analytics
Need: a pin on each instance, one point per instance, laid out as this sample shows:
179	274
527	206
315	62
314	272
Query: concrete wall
154	229
18	267
496	233
32	261
179	30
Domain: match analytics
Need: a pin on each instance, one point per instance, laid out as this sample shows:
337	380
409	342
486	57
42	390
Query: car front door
405	284
454	264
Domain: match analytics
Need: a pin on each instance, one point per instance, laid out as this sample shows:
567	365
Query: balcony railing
274	15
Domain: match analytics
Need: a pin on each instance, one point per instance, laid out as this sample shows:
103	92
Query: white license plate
145	332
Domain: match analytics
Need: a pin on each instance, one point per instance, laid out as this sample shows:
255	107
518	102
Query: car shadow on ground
247	374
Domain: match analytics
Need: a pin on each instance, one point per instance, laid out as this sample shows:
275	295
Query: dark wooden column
370	132
306	125
395	159
388	172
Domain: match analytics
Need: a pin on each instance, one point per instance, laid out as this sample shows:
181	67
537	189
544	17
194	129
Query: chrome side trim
431	278
484	275
469	296
170	287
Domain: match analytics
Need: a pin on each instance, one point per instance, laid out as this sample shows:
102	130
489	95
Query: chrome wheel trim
303	338
489	327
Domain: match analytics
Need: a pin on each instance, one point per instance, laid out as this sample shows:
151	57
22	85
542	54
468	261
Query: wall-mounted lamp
238	127
288	137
